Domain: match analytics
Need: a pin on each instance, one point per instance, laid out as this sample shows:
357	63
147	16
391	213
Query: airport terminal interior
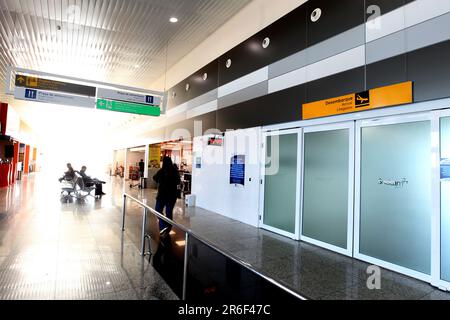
212	151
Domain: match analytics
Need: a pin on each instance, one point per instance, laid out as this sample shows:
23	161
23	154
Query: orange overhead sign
371	99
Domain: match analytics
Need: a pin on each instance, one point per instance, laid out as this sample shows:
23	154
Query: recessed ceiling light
173	20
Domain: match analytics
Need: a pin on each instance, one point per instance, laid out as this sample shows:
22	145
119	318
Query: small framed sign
215	141
237	170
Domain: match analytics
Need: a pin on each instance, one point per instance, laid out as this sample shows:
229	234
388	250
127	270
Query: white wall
119	157
211	183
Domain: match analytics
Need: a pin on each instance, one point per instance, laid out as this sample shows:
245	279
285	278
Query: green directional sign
128	107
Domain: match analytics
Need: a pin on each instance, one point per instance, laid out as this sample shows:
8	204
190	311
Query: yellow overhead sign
371	99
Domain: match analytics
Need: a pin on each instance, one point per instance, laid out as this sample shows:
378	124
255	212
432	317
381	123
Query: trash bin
143	183
19	170
190	200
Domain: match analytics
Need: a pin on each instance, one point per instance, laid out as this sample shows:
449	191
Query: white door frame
298	131
371	123
436	193
351	173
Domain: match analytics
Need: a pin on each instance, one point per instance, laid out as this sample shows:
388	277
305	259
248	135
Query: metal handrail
208	243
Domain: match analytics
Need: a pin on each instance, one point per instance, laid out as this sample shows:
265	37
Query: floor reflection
74	249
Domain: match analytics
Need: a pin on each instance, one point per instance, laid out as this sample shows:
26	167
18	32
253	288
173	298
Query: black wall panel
208	121
181	95
386	72
429	68
287	36
198	86
337	16
336	85
278	107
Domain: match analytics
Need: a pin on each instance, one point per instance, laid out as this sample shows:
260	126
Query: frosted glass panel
325	201
280	192
396	194
445	201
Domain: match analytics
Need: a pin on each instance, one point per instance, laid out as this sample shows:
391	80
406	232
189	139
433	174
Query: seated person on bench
69	175
89	182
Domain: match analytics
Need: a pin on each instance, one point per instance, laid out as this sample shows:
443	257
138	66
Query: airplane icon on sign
361	99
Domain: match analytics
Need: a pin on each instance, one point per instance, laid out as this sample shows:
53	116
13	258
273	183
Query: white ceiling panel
128	42
120	41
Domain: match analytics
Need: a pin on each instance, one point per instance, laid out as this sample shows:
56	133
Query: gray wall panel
205	98
342	42
386	47
293	62
429	32
252	92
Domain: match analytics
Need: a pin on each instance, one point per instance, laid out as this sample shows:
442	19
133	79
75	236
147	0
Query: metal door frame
372	123
350	126
436	194
298	131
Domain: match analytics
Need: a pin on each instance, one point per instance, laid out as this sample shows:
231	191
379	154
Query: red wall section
3	116
27	159
15	160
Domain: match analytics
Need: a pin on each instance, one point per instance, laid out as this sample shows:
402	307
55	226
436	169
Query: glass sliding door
281	182
327	215
445	197
393	214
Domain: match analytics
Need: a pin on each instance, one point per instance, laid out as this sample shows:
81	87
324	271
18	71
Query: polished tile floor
313	272
55	250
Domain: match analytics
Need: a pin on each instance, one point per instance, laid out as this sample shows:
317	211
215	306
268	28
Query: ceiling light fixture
173	20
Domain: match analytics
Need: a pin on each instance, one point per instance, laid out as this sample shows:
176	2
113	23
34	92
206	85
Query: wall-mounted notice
117	95
198	162
215	141
445	169
22	93
237	170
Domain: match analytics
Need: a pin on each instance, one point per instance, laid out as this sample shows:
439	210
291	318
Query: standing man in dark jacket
168	180
141	168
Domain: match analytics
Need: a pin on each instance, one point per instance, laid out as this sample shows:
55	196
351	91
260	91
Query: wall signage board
128	107
215	141
445	169
154	156
22	93
198	162
117	95
392	95
52	85
237	170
